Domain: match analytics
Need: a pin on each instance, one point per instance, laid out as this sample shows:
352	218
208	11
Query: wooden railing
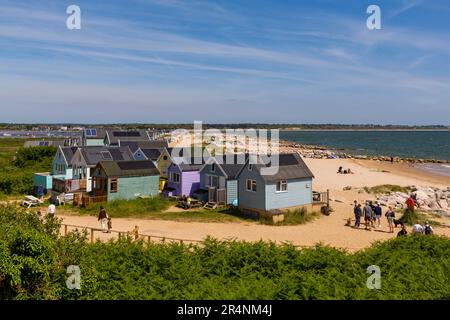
67	186
145	237
321	197
148	239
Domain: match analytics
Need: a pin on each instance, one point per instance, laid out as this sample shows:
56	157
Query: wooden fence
161	239
146	237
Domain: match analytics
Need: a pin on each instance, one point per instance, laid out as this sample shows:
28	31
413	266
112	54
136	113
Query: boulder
442	204
434	205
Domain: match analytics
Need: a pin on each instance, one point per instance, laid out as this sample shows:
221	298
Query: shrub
28	157
33	265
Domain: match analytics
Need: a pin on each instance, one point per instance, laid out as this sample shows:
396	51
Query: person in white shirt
418	229
51	210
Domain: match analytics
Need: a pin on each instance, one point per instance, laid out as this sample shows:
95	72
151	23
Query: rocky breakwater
319	152
428	199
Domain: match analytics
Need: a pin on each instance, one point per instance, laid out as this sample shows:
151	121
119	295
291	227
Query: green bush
387	188
19	164
33	262
28	157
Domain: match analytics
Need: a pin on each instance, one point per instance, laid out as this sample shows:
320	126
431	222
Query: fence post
328	198
149	239
92	235
65	230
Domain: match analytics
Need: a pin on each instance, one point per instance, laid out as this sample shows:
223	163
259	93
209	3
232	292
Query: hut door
212	194
221	196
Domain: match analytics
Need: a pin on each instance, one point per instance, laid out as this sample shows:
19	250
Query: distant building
115	137
93	137
135	145
148	154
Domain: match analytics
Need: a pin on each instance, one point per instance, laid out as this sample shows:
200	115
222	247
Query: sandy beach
326	229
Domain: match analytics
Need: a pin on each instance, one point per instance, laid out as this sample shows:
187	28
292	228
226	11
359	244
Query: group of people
344	171
372	214
106	223
417	229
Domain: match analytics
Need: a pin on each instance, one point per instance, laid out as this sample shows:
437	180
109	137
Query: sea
405	144
37	134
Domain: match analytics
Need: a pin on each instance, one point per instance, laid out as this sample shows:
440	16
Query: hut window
213	167
251	185
281	185
250	167
175	177
165	158
113	185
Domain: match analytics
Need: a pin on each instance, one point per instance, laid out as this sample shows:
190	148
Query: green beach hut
125	179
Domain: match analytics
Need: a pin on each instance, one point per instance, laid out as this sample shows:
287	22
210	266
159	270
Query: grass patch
128	208
387	188
156	208
203	215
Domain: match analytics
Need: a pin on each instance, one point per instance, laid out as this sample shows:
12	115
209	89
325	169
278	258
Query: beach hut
148	154
86	158
183	177
42	183
62	162
289	188
114	180
219	178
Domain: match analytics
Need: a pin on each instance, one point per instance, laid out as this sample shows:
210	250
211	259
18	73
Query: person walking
378	213
103	218
367	211
358	212
390	215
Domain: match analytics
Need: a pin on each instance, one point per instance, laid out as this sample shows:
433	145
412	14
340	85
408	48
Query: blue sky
225	62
